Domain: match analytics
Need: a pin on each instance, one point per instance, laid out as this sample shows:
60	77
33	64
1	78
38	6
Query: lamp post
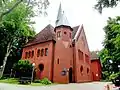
32	71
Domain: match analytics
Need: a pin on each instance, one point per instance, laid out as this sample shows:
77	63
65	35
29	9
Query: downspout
52	63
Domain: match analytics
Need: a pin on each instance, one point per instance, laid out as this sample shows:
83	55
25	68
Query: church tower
63	29
63	57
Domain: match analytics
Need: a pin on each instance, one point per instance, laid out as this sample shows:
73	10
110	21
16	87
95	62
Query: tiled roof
46	34
75	29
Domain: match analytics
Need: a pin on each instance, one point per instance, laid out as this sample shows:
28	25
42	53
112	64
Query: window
58	34
86	58
80	55
65	32
26	53
32	54
87	70
57	61
38	53
46	51
70	35
29	54
42	52
81	70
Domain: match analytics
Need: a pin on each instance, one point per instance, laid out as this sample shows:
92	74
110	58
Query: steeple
61	18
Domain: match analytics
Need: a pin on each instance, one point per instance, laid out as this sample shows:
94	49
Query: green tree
106	4
6	8
111	45
16	28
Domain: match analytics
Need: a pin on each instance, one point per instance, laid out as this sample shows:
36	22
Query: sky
80	12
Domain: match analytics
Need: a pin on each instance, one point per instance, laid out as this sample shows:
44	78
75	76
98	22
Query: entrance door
70	75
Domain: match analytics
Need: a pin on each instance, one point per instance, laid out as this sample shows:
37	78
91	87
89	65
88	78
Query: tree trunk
5	59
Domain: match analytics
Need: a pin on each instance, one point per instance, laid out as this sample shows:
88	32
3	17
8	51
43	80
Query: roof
75	29
94	55
61	18
46	34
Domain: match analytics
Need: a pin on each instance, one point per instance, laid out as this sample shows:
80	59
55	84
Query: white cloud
80	12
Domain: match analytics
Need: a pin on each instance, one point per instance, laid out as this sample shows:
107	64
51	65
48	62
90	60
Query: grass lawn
9	80
15	81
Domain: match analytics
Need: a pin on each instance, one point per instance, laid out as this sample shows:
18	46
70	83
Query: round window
65	32
41	67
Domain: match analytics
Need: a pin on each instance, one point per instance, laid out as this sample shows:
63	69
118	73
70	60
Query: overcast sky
80	12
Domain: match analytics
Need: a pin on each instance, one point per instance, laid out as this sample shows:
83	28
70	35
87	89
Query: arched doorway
41	68
70	75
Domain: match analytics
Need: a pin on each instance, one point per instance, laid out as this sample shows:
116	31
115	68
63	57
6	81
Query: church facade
60	53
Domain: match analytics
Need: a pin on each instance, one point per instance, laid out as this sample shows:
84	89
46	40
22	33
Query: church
60	53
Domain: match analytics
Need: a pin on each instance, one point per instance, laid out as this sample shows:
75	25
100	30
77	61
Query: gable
82	40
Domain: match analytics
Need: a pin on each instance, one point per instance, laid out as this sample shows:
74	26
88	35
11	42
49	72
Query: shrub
113	76
36	81
22	68
45	81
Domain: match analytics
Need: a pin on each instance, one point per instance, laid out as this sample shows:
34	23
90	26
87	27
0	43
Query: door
70	75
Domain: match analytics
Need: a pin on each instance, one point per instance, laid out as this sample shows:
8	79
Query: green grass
15	81
9	80
39	84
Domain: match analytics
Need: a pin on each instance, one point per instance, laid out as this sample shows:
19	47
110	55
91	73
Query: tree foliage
23	68
111	45
15	30
22	65
106	4
6	6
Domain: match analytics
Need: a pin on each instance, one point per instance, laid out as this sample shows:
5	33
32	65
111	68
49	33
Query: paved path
72	86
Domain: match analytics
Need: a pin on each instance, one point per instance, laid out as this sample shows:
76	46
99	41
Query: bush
36	81
45	81
113	76
22	68
105	75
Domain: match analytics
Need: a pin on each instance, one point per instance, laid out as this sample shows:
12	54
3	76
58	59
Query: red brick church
60	53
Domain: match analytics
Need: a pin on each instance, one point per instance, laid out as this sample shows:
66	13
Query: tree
16	27
6	8
106	4
111	45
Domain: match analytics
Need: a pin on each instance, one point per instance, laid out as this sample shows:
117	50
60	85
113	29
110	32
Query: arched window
42	52
26	53
81	69
38	53
46	51
87	70
58	34
58	61
70	35
32	54
29	54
